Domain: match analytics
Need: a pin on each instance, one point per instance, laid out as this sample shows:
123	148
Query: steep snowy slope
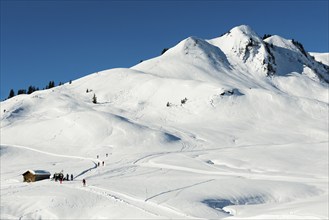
290	56
233	127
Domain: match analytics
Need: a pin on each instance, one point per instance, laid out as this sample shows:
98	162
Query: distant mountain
239	50
244	113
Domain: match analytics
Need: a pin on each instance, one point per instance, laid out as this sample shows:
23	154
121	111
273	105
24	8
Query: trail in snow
148	161
247	175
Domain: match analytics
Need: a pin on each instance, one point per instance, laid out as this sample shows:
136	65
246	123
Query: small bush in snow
183	101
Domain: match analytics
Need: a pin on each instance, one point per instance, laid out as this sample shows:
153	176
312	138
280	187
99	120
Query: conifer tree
21	91
11	94
94	99
50	85
31	89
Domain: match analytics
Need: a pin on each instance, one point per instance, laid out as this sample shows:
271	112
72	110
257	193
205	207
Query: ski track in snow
146	161
178	189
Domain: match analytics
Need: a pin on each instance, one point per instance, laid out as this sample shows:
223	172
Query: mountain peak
203	60
245	30
245	50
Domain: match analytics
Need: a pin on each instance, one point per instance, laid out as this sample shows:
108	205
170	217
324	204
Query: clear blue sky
65	40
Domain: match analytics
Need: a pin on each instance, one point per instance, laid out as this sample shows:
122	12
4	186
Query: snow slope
250	142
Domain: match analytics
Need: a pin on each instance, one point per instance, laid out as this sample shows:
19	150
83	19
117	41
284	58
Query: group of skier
61	178
98	164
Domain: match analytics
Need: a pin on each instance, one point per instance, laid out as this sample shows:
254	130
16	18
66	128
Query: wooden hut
35	175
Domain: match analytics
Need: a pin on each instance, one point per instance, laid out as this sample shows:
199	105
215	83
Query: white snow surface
245	145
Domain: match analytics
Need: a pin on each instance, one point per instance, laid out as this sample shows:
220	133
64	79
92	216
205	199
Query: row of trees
32	89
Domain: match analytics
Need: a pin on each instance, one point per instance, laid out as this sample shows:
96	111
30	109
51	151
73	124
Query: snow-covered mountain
230	127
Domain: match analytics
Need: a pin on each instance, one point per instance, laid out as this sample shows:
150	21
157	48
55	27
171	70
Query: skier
61	177
71	177
84	182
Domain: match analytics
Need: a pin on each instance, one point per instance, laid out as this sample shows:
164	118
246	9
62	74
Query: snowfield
250	141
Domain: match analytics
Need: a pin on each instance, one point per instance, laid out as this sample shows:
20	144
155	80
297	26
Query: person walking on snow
84	182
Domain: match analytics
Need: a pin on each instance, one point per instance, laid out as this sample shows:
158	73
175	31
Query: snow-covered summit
239	50
245	50
274	55
203	60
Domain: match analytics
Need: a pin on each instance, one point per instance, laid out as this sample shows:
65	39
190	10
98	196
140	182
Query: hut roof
38	172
